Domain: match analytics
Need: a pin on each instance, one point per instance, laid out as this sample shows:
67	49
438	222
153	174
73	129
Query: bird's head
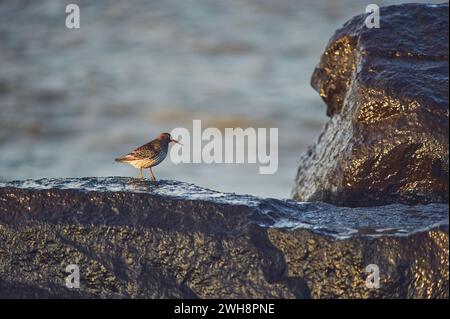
167	138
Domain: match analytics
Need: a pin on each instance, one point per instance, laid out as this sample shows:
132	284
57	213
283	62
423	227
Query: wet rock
137	239
387	94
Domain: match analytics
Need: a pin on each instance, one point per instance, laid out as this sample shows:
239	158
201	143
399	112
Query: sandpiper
150	154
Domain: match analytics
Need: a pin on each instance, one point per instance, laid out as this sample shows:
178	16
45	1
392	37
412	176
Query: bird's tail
119	159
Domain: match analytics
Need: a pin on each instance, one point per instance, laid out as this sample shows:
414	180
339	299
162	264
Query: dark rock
387	93
137	239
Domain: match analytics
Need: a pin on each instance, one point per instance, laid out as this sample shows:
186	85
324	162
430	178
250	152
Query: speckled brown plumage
149	155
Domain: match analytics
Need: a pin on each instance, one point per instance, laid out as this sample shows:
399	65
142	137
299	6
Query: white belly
146	162
141	163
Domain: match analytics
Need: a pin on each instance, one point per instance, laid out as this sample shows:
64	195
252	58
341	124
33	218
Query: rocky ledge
139	239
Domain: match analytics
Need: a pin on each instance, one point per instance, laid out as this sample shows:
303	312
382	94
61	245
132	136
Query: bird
149	155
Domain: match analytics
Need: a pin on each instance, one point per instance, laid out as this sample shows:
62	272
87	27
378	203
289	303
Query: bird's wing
149	151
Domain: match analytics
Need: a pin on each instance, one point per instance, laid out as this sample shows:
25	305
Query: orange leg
152	176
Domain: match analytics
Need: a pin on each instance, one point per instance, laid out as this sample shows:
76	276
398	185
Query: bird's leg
142	175
152	175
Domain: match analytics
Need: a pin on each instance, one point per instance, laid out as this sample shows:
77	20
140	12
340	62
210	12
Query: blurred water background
72	100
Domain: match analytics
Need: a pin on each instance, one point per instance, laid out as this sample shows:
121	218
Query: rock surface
387	95
137	239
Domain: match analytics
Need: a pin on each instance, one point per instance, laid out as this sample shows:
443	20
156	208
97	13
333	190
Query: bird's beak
175	141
